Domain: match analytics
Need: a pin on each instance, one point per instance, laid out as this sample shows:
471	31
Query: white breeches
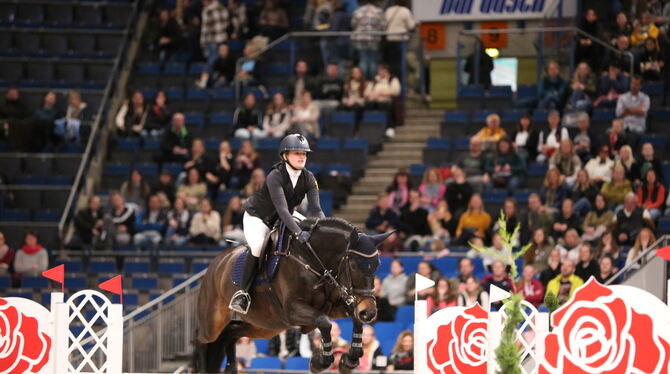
255	231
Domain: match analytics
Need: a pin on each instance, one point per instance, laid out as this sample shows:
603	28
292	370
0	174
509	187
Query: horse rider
285	187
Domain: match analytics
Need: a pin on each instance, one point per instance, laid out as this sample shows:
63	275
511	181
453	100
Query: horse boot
241	301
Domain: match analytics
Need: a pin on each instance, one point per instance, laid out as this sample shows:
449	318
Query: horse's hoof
320	363
347	365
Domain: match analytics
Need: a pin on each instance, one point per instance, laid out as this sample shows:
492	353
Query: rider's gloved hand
302	237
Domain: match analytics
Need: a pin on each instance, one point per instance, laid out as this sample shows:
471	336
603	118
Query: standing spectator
473	293
550	140
587	50
131	117
413	222
432	189
583	193
89	222
553	192
541	246
643	29
394	284
371	350
530	288
6	256
505	168
600	168
169	36
339	47
443	296
398	19
606	270
565	220
566	283
651	195
367	18
610	86
583	87
633	107
485	67
598	220
644	240
646	162
616	190
152	222
176	141
193	190
491	133
273	21
617	137
525	139
219	178
353	94
221	72
32	259
587	266
277	117
474	221
305	117
425	268
255	182
381	218
158	117
329	90
586	142
248	120
380	95
398	191
402	355
473	165
205	225
651	61
552	88
232	221
458	192
239	24
630	220
122	220
135	190
164	189
179	222
553	268
213	30
465	270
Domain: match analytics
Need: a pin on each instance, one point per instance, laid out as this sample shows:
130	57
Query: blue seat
177	280
479	116
411	264
34	282
127	143
658	141
653	88
47	216
455	117
328	145
342	117
102	266
512	116
221	118
196	68
16	215
540	115
278	69
30	180
72	266
405	315
144	283
338	169
494	196
137	267
265	363
148	170
537	170
117	169
355	144
174	93
500	91
603	115
438	143
20	293
198	266
268	144
75	282
326	198
374	117
175	68
446	265
171	267
197	95
194	119
471	92
297	363
148	68
262	346
223	94
417	169
5	282
525	91
148	93
130	298
462	143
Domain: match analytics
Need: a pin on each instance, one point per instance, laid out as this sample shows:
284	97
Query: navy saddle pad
268	272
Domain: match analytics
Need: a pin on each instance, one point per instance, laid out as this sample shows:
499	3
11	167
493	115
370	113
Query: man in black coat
176	142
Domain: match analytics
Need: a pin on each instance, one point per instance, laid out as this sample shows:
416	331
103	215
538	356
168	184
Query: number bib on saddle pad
268	269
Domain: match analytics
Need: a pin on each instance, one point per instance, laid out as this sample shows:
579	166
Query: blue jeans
212	53
550	102
582	206
579	100
368	60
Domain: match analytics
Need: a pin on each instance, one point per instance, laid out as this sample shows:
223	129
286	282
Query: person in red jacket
6	256
651	195
531	288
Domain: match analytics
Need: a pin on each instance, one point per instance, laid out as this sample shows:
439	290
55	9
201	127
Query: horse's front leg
304	315
349	360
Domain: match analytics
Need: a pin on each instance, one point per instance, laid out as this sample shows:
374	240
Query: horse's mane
329	222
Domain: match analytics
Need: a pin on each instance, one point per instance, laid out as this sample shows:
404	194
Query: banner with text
482	10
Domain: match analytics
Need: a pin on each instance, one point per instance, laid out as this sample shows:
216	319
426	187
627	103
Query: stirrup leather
235	307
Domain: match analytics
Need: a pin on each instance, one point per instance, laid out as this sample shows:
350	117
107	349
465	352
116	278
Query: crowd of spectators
28	261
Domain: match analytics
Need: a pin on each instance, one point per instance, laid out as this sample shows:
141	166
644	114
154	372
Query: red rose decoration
23	347
461	344
597	332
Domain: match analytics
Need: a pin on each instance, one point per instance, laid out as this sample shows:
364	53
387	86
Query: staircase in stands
405	149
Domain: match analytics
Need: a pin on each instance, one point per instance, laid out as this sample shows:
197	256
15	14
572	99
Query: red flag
113	285
56	274
664	253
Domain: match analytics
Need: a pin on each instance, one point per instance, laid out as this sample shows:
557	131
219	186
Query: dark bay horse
332	276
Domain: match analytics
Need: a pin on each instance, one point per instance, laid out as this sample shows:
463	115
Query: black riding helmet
293	142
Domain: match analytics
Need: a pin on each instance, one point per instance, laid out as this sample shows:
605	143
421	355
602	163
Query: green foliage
507	353
507	255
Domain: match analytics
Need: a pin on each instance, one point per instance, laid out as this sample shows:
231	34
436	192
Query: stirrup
235	307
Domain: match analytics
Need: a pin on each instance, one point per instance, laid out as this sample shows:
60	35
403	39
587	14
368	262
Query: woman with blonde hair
644	241
627	160
566	161
432	189
277	117
583	193
474	221
255	182
553	191
402	355
583	87
492	132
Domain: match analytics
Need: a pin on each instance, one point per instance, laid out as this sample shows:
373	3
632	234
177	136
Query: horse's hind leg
215	353
231	365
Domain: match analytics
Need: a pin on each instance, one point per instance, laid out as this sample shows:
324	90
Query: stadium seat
297	363
20	292
436	152
410	264
5	282
199	265
75	282
136	266
71	265
262	346
144	283
470	98
34	282
265	363
405	315
171	266
100	265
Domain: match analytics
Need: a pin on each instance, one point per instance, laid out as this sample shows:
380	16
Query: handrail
639	257
87	156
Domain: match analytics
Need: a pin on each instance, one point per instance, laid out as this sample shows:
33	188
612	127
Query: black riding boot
241	299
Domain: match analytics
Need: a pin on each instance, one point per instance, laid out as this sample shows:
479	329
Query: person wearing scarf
6	255
32	259
651	194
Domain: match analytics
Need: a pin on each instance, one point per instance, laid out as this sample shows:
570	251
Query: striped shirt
214	23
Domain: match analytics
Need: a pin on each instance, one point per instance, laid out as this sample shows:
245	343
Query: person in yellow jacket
492	132
566	283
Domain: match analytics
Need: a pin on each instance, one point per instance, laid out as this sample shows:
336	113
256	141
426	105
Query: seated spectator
286	344
391	245
247	120
487	259
232	221
178	223
643	241
443	222
246	161
531	288
569	245
205	225
491	133
552	88
277	117
553	268
553	192
566	283
158	118
583	87
646	162
630	220
549	140
651	61
443	296
44	117
617	137
273	21
402	355
32	259
458	192
398	191
504	167
305	117
169	38
193	190
6	256
371	350
598	220
474	221
245	350
122	226
620	27
213	28
566	161
221	72
426	269
536	217
643	29
627	160
255	182
164	189
198	161
651	195
600	168
381	218
413	222
587	266
13	108
525	139
541	246
132	116
432	189
610	85
623	56
385	311
633	106
379	95
176	141
608	246
565	220
394	284
135	190
586	142
300	83
511	219
251	68
89	222
353	94
219	177
239	23
606	270
616	190
152	222
473	165
329	90
473	293
583	193
336	336
498	278
465	270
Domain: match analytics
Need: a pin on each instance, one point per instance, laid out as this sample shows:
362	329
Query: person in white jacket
205	225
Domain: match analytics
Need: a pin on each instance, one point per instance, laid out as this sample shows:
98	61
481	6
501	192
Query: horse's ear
379	238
